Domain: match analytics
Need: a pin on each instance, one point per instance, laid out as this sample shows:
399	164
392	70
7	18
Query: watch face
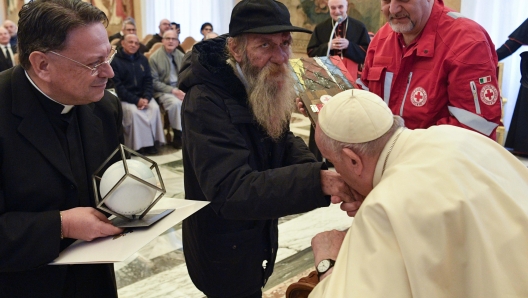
323	266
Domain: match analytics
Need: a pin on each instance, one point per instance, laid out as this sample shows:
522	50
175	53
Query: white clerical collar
67	108
241	76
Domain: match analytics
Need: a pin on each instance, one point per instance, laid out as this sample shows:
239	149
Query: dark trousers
517	138
257	294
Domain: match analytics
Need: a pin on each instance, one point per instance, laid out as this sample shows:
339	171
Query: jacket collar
37	129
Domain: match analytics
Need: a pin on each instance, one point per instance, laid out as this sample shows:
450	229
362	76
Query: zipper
405	95
475	96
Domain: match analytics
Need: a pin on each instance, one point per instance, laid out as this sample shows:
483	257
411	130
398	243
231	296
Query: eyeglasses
170	38
95	69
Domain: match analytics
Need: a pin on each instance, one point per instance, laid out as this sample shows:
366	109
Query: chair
115	41
146	39
188	43
154	48
165	122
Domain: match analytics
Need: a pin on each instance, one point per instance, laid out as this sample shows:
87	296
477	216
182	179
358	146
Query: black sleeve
521	33
318	44
359	41
508	48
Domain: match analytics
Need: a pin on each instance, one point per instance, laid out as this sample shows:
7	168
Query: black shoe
149	150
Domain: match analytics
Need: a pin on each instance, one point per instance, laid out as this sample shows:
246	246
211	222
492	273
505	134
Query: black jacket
36	181
249	179
155	39
132	78
356	34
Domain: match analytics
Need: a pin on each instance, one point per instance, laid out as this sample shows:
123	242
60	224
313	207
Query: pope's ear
40	65
352	161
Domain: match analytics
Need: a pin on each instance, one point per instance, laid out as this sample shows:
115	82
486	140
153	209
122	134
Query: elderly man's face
129	29
338	8
71	83
11	27
130	44
170	40
164	26
4	36
406	16
263	49
264	63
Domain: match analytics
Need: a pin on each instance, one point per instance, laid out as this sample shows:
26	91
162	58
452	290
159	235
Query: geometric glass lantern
127	188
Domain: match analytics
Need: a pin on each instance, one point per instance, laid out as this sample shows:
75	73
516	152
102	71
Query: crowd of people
144	83
440	208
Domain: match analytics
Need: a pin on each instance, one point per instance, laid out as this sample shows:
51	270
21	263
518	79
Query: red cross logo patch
489	94
418	97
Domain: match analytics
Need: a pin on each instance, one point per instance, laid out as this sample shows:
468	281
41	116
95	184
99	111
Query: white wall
190	14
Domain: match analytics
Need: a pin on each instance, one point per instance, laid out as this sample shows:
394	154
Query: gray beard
402	28
271	96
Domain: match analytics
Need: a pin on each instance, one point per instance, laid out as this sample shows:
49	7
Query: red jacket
447	75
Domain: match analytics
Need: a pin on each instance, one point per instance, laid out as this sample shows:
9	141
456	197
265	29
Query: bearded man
239	154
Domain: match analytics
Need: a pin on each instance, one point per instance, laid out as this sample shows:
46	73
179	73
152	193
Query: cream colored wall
138	16
453	4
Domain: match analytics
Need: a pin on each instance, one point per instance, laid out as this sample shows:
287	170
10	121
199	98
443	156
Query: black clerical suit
46	163
4	62
356	34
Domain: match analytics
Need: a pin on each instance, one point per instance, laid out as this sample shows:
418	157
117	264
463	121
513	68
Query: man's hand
178	93
142	103
333	185
351	208
300	107
326	245
86	223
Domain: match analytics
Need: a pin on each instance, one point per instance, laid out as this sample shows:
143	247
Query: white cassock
142	127
448	218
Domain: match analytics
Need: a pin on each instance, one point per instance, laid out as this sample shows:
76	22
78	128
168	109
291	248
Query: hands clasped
339	43
142	103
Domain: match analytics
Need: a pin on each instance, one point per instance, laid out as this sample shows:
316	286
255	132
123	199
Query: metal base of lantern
149	219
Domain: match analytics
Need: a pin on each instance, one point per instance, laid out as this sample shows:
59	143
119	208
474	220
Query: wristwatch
324	266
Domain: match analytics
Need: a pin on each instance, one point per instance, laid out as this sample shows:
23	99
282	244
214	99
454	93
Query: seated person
129	27
164	25
133	84
441	212
206	28
176	27
164	65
